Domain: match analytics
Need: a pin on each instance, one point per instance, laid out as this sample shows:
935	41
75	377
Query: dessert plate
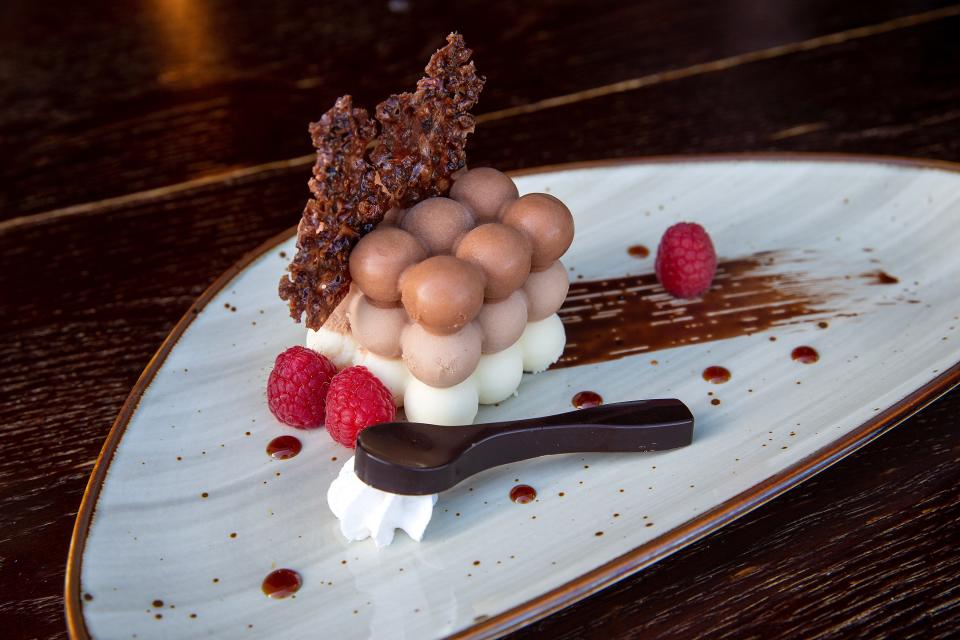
833	317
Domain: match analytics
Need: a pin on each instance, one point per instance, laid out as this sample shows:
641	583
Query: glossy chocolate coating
502	323
546	221
442	293
379	259
546	290
486	191
420	459
438	223
377	328
441	361
502	253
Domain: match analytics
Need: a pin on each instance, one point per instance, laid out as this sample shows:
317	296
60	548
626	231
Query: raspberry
297	387
356	400
686	261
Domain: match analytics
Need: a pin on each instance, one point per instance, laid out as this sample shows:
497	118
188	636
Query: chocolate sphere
377	329
502	323
442	293
502	253
393	217
441	361
438	222
486	191
546	221
546	290
378	260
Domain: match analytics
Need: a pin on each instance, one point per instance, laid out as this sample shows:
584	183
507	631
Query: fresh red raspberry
686	261
356	400
297	387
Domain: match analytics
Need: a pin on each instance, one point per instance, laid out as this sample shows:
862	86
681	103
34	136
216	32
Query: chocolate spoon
412	458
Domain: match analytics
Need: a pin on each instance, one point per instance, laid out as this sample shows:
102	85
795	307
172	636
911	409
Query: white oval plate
197	423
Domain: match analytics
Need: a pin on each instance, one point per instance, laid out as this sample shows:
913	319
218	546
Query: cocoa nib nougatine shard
418	144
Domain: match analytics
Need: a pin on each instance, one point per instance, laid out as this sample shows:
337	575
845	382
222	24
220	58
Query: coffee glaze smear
619	317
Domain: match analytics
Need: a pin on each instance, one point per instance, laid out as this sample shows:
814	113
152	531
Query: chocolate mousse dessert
444	282
433	287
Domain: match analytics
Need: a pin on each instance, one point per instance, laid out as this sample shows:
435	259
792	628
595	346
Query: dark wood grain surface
145	148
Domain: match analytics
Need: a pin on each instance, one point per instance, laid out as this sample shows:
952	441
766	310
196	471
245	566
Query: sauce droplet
283	447
885	278
806	355
523	494
282	583
638	251
586	399
715	402
716	374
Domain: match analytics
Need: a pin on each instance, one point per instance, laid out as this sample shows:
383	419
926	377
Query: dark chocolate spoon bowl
186	466
417	459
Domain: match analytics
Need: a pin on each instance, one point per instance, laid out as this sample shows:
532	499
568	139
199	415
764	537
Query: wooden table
146	148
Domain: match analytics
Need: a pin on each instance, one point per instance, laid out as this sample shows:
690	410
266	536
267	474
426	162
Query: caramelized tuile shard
346	204
424	134
422	142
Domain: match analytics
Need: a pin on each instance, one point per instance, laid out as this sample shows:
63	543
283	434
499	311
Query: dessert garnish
418	459
686	261
356	399
365	512
297	387
417	141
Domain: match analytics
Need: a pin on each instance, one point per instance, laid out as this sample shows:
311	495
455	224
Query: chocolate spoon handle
417	459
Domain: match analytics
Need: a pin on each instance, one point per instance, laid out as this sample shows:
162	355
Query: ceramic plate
853	258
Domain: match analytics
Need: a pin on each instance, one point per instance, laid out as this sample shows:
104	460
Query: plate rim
618	568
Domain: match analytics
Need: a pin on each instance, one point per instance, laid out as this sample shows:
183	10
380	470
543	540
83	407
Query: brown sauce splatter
619	317
806	355
523	494
881	277
282	583
586	399
284	447
638	251
716	374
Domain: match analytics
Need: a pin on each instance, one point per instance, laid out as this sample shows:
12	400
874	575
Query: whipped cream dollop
365	512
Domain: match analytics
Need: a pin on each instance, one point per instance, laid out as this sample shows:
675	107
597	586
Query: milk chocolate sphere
546	290
502	253
502	323
486	191
377	329
546	221
378	260
437	222
393	217
441	361
443	293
